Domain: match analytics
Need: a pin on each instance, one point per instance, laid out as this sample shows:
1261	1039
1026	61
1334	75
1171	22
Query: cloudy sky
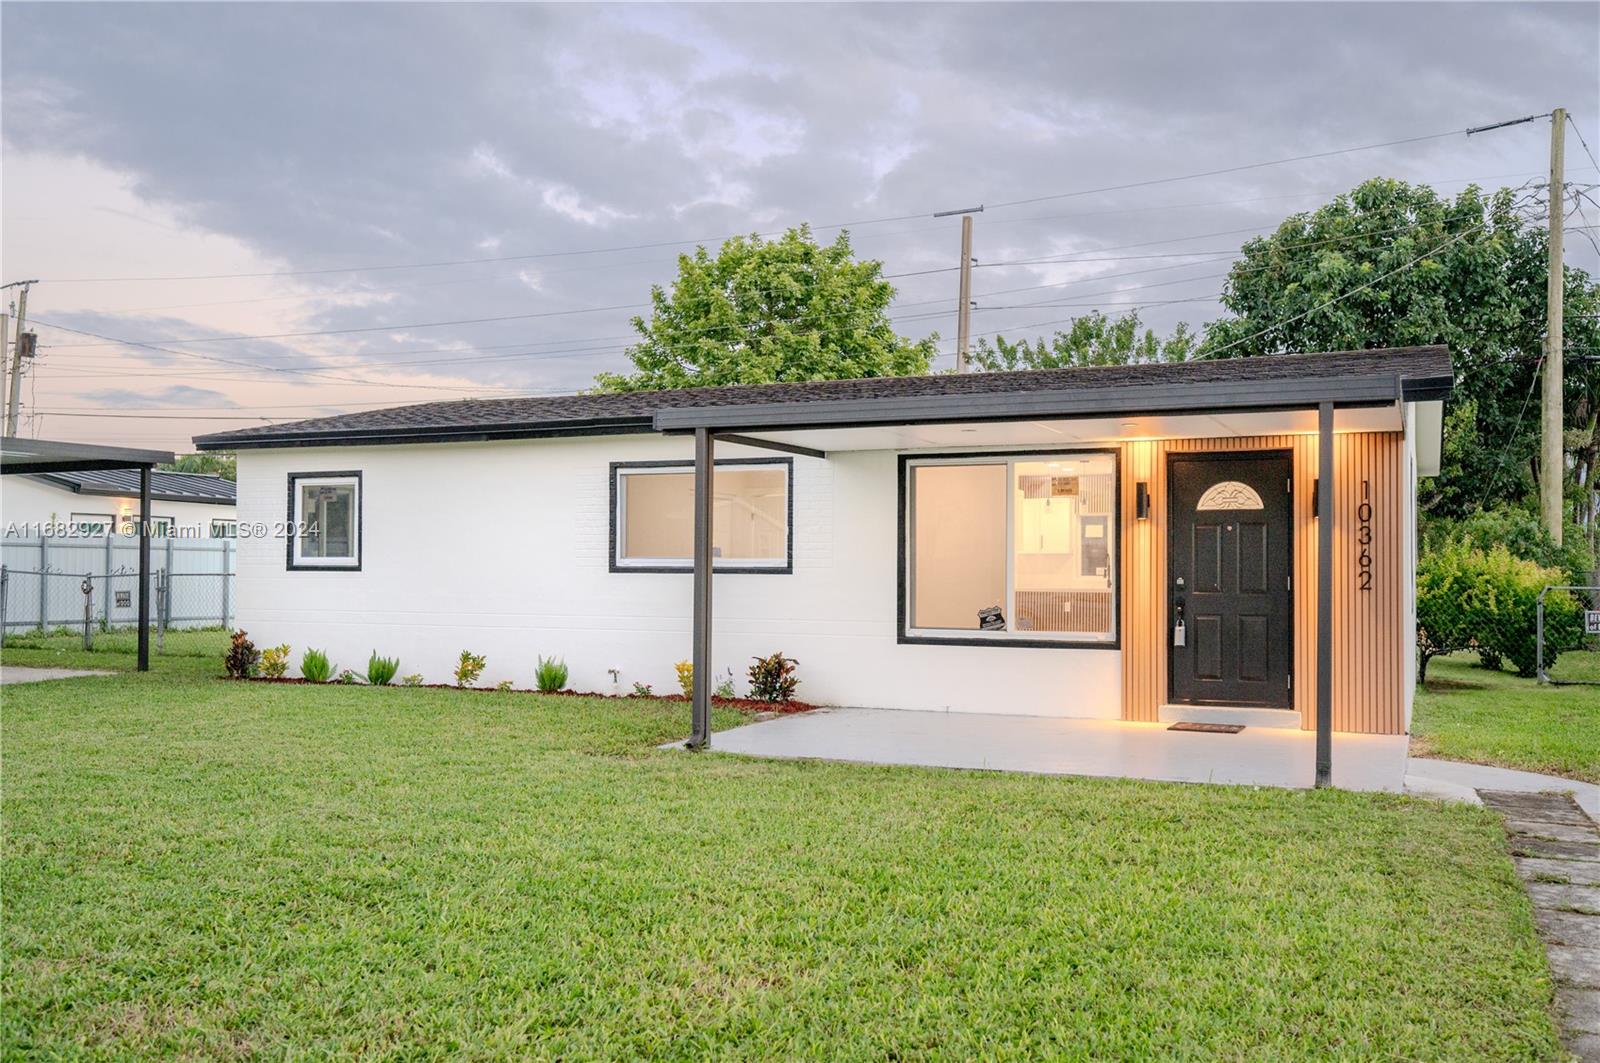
363	184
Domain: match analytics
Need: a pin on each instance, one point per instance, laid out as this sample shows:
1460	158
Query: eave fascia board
448	434
1024	406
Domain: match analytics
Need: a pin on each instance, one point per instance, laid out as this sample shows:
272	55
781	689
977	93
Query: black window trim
291	533
785	569
903	564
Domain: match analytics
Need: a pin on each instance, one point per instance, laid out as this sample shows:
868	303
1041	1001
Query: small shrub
725	688
275	661
772	678
381	670
242	658
315	666
1488	601
551	675
685	671
412	680
642	690
504	686
348	678
469	668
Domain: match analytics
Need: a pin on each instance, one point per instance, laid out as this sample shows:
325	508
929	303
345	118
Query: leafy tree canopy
1092	340
216	463
1391	264
760	312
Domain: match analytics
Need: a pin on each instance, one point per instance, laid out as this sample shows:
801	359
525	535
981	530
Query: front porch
1256	756
1238	535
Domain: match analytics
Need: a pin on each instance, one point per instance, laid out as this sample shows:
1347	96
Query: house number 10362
1364	539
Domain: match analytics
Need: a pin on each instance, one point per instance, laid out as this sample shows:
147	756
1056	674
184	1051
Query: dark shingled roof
164	486
608	414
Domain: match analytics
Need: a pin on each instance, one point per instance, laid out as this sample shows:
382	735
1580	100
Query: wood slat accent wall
1368	638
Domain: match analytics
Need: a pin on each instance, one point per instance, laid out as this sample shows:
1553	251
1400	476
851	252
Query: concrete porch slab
1267	756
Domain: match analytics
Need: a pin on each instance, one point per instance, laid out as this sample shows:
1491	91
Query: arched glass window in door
1229	494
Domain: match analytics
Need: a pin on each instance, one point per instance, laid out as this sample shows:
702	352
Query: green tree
1392	264
217	463
1094	339
761	311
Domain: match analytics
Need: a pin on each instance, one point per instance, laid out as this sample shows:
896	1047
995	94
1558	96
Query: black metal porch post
1325	595
144	568
700	734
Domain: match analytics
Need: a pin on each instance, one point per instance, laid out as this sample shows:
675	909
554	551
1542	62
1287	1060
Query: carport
19	456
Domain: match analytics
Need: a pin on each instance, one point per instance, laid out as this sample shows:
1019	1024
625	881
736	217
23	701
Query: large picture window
325	520
652	516
1018	549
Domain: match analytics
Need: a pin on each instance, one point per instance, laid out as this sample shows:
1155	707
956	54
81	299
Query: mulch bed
749	705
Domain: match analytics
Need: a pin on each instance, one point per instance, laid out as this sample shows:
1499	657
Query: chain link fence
1568	634
92	584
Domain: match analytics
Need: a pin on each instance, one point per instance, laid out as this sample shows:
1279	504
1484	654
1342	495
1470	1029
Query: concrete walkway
1257	756
10	674
1455	781
1557	852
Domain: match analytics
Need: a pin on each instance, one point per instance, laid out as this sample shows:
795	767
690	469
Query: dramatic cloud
586	146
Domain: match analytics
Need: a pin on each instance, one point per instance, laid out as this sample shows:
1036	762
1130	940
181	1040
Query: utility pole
964	306
964	314
18	349
5	335
1552	453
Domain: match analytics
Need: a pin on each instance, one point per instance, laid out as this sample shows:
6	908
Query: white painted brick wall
501	548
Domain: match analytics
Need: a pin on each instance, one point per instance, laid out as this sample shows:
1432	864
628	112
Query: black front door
1228	555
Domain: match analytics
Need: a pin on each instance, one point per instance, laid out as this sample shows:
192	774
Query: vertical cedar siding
1369	647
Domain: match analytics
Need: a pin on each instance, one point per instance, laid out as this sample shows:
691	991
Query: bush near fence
1488	601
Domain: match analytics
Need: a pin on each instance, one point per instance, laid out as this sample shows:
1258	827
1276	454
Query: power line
1533	382
255	365
1227	169
1573	123
1147	183
1353	291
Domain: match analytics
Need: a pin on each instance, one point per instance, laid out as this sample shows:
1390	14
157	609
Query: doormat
1209	728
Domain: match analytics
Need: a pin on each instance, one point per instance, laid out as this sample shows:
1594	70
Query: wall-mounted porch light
1141	500
1316	494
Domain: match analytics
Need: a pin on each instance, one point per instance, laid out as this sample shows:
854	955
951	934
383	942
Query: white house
1125	542
106	501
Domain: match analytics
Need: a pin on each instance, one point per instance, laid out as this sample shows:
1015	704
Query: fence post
5	589
170	537
105	603
163	594
1538	638
44	580
227	554
88	609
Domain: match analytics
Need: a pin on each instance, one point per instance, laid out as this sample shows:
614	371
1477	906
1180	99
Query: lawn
187	652
1469	713
195	867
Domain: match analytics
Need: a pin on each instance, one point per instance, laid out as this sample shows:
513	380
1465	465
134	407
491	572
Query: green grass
201	868
187	652
1469	713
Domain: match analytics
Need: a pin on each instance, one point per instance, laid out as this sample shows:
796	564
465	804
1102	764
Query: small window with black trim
324	520
652	516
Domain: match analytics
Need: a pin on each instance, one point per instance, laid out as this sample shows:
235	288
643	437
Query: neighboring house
1133	542
189	505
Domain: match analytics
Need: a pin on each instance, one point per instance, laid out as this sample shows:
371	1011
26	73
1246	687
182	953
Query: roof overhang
19	455
1135	400
114	492
607	426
